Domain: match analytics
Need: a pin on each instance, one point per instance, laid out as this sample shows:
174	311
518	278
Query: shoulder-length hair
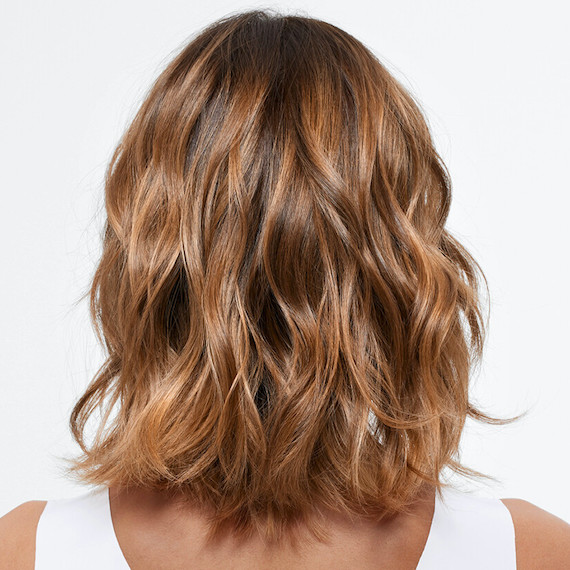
288	324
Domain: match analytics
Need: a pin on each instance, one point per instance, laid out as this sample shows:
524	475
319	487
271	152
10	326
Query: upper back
466	531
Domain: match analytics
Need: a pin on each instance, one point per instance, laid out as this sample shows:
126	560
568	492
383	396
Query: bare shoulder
542	539
18	535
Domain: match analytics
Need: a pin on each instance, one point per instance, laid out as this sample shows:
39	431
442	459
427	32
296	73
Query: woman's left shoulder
18	535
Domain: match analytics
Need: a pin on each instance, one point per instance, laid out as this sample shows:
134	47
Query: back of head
288	324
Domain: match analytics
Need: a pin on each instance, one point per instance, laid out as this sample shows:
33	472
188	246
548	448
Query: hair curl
288	324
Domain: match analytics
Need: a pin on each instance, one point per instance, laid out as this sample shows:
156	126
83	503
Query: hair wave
288	323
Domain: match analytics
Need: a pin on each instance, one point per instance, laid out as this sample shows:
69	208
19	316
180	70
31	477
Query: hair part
289	326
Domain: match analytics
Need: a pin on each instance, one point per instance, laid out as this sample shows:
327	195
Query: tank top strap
78	533
469	532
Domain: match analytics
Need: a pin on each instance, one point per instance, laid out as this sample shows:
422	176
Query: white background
493	80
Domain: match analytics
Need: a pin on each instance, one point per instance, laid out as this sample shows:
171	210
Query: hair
288	326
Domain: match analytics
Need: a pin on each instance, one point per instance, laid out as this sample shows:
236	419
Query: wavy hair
287	324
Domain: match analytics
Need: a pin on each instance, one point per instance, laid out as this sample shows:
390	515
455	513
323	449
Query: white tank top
467	531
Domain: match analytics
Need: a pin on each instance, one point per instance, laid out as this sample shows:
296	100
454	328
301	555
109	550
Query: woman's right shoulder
542	540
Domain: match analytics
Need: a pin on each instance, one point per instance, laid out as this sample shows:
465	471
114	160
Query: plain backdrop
493	80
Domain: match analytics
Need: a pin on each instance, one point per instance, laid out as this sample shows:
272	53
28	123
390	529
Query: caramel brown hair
288	324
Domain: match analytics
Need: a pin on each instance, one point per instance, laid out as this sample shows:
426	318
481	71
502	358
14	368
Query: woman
290	330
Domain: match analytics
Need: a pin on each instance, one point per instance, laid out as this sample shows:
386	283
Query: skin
152	537
183	545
